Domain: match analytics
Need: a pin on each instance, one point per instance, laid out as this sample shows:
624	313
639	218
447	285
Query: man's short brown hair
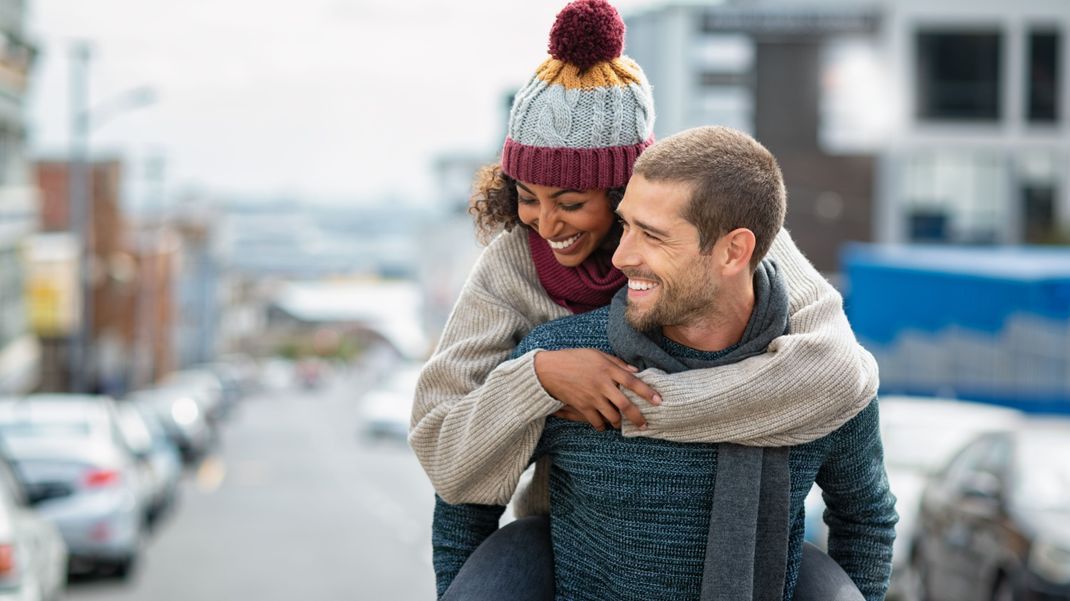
735	182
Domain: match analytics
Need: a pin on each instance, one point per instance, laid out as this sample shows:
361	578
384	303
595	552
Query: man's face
670	282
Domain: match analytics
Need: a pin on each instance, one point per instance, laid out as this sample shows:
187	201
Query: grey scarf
746	552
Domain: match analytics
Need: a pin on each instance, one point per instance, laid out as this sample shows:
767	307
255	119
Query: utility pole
80	198
81	212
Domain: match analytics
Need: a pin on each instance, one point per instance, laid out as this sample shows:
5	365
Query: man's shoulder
859	430
586	330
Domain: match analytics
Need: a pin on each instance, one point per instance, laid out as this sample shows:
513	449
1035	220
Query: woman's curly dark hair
494	204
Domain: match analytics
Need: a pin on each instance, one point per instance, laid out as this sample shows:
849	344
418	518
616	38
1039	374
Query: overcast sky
336	100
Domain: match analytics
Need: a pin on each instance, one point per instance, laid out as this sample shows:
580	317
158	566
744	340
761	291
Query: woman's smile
566	246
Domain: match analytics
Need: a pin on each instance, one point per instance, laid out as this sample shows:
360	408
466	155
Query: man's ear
738	246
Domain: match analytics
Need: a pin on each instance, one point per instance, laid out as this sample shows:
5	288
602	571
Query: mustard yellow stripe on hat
617	72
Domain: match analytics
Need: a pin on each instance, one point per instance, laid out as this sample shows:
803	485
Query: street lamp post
80	210
80	196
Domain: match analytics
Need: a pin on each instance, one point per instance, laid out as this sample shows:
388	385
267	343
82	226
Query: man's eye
650	236
623	223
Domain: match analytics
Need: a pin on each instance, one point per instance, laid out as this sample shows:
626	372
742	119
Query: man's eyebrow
645	226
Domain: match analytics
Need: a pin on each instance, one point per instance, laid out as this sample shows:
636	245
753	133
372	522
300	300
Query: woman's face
574	222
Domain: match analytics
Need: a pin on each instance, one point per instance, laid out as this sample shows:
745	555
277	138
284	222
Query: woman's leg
822	579
516	563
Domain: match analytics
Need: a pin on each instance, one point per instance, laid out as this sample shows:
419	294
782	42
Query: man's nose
625	256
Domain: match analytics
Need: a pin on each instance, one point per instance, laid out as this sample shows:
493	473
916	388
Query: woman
574	131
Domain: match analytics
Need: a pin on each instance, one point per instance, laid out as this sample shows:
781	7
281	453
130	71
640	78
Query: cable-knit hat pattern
587	113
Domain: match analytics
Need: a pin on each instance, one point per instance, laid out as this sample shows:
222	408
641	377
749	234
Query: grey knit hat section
547	114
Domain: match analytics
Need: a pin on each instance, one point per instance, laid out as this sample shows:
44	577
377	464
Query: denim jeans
516	564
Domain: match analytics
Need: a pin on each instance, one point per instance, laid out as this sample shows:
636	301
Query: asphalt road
295	505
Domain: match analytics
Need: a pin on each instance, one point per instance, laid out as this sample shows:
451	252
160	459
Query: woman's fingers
594	418
589	381
620	363
637	386
625	407
570	414
626	379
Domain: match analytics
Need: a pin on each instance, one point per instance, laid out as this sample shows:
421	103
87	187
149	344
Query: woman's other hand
588	382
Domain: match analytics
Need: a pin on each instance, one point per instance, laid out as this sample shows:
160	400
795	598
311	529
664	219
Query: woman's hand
588	382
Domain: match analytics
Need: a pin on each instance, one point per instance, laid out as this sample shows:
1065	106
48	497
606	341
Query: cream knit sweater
477	416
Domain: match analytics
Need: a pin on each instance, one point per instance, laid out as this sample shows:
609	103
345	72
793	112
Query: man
648	519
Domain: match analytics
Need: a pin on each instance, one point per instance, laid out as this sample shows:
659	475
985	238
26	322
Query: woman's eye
526	201
572	207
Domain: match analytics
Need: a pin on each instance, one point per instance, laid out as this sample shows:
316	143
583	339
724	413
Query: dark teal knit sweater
630	516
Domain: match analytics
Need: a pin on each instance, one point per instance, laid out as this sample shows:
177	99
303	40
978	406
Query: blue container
986	324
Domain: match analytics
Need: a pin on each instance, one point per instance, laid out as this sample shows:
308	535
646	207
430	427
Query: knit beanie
587	113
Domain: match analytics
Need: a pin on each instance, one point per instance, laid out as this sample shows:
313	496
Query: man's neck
721	327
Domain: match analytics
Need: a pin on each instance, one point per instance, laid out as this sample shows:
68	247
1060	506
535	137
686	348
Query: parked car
995	523
204	387
182	418
163	465
919	435
80	474
33	557
387	408
244	369
232	380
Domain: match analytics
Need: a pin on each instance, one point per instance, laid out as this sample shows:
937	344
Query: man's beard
676	304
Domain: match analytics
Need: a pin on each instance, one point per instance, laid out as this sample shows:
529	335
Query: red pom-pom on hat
586	33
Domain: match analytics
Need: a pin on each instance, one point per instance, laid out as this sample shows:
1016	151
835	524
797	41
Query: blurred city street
294	505
224	265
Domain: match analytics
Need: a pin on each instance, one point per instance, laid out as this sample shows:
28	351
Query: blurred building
198	292
19	350
450	238
899	121
286	239
324	318
156	326
130	330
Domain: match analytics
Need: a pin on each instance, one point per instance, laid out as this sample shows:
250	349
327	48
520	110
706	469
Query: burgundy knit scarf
579	289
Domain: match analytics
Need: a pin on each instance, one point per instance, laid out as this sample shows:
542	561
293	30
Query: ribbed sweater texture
478	415
630	516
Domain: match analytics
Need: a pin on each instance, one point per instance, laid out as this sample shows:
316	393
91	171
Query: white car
181	416
33	557
79	473
163	463
919	435
205	387
387	409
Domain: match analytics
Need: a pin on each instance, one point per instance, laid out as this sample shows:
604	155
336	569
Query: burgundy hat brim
579	168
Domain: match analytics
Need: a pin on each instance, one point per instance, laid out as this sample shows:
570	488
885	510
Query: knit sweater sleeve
477	415
860	508
456	532
812	380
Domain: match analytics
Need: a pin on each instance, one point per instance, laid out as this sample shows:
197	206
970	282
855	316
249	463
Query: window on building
950	195
959	75
1043	77
1038	175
